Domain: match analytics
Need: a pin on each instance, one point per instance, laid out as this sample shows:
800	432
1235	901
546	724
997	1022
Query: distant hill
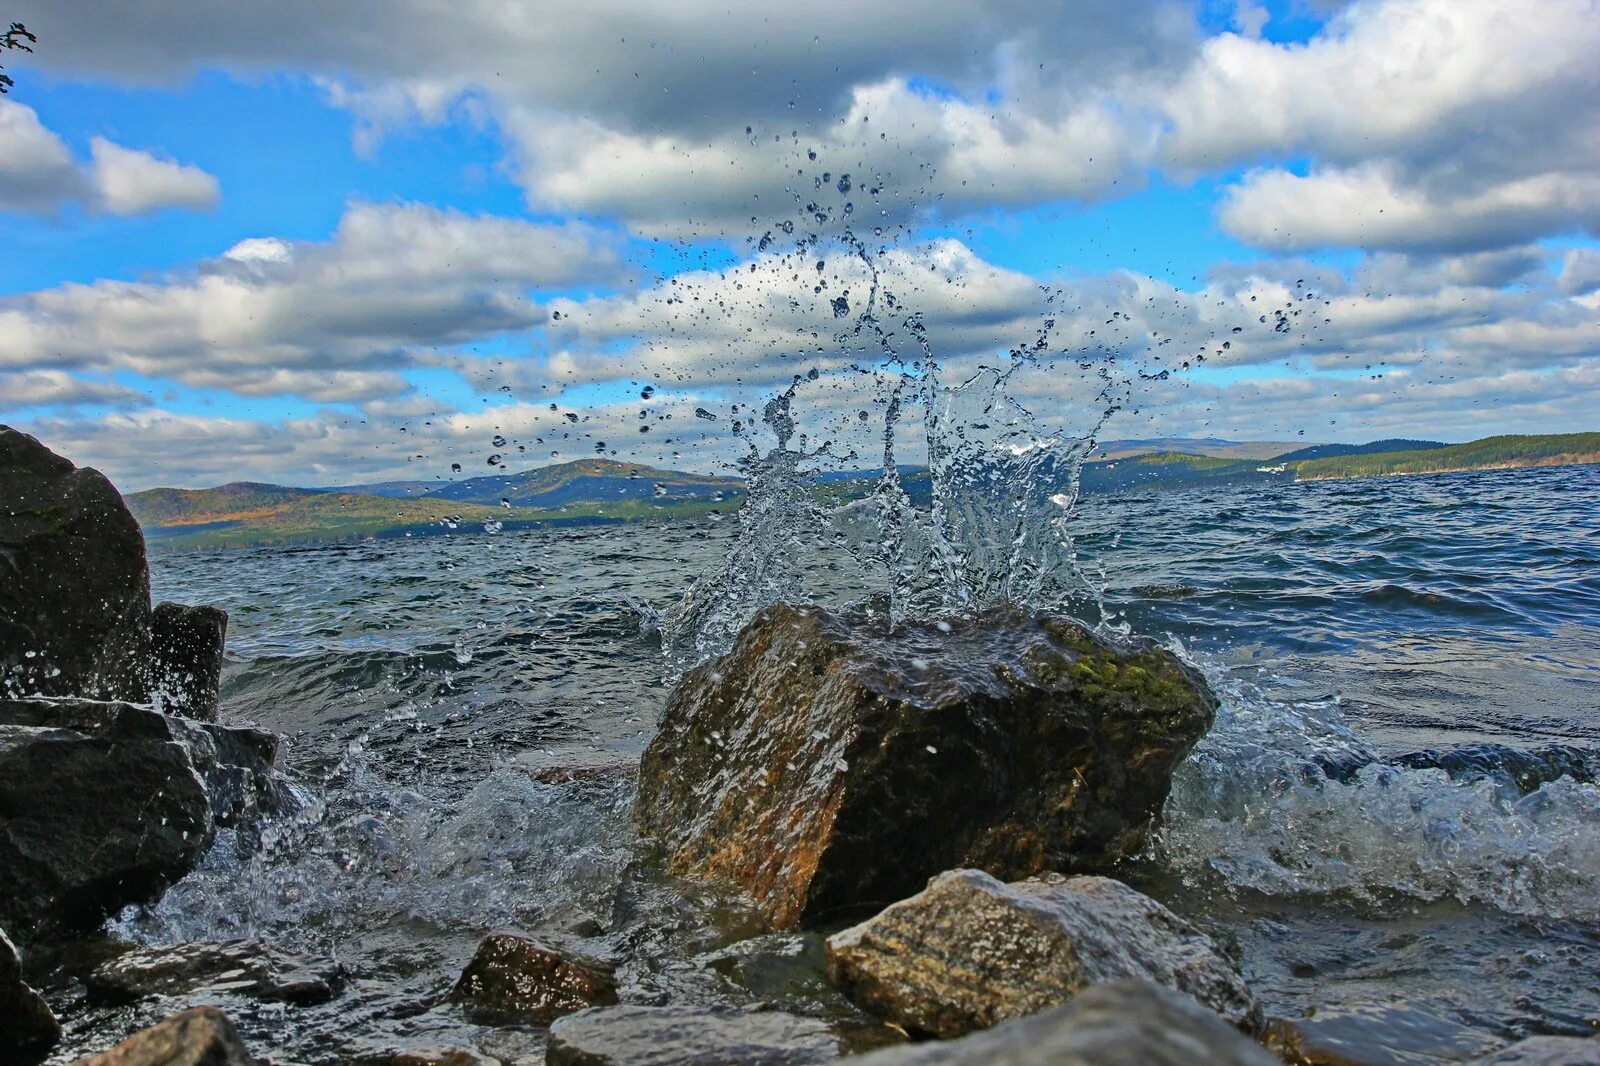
586	491
585	479
1490	453
590	491
1214	447
1328	451
237	501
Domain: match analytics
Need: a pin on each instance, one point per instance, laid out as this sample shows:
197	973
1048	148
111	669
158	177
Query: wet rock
74	588
1546	1051
658	1036
104	804
824	765
1123	1023
238	967
200	1037
970	952
437	1057
513	979
27	1027
1376	1034
186	658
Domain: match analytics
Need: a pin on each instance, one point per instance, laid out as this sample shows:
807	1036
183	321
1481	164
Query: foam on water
1282	797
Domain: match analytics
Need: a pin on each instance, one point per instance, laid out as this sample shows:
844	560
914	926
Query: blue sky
236	253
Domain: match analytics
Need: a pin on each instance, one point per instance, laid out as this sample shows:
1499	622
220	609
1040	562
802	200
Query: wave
1283	798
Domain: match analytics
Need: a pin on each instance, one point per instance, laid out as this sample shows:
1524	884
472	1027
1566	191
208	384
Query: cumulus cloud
1430	124
38	173
328	320
54	388
136	183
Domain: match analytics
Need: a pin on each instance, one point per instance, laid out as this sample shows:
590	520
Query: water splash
1282	797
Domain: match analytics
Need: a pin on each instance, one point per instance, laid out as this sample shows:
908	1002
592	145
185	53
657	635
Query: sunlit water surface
464	713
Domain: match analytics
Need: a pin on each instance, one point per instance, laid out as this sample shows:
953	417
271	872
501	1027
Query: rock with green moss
825	764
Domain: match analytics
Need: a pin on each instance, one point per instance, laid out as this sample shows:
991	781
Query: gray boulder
514	979
28	1028
202	1036
689	1036
969	952
74	587
239	967
104	804
825	764
1123	1023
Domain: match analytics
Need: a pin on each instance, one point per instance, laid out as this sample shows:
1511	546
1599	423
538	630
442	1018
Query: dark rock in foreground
1123	1023
186	658
239	967
200	1037
75	615
668	1036
104	804
515	980
821	765
74	588
970	952
27	1027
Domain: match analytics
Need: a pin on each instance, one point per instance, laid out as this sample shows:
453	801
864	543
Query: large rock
103	804
515	980
239	967
28	1028
200	1037
823	765
970	952
1124	1023
186	658
75	615
74	588
689	1036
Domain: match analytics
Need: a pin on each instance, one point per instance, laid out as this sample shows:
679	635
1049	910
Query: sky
331	244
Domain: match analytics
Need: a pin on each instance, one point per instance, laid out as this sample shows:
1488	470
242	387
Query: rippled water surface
1394	821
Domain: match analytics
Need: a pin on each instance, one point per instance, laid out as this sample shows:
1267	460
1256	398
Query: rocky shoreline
939	803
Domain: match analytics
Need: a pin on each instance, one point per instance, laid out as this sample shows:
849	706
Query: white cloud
1469	123
331	321
130	182
38	173
51	388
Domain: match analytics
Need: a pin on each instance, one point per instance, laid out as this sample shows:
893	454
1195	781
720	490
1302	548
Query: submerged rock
1123	1023
691	1036
28	1028
513	979
186	658
822	765
437	1057
74	587
969	952
239	967
104	804
202	1036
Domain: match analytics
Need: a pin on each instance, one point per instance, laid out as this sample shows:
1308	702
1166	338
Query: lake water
1394	821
